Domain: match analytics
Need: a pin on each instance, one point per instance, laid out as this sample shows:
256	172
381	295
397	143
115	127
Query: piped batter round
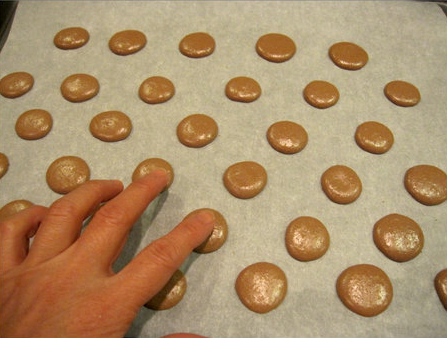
374	137
245	179
441	286
111	126
287	137
171	294
156	89
16	84
243	89
4	164
67	173
151	164
13	208
197	130
402	93
307	239
79	87
321	94
219	234
365	289
34	124
341	184
127	42
197	45
261	287
275	47
427	184
71	38
348	55
398	237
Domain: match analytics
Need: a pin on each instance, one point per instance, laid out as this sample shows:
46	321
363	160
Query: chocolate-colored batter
348	55
321	94
67	173
79	87
13	208
127	42
219	234
441	286
171	294
4	164
261	287
197	130
402	93
398	237
365	289
197	45
243	89
16	84
245	179
275	47
307	239
71	38
374	137
287	137
341	184
111	126
427	184
156	89
34	124
149	165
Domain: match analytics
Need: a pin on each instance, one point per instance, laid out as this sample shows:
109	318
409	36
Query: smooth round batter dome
243	89
275	47
261	287
79	87
197	45
402	93
16	84
307	239
348	55
365	289
287	137
67	173
245	179
321	94
374	137
341	184
427	184
398	237
34	124
71	38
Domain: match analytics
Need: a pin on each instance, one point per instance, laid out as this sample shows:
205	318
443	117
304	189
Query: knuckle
165	253
63	209
6	228
111	215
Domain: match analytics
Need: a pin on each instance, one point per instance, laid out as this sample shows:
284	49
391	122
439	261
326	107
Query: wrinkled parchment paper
404	40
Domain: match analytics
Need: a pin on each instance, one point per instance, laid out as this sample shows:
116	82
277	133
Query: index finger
104	235
149	271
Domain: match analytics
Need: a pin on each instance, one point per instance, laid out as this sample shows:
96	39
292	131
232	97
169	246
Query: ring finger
15	233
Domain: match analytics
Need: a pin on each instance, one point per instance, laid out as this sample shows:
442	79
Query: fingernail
205	217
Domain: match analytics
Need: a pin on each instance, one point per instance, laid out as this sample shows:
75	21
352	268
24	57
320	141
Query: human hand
64	286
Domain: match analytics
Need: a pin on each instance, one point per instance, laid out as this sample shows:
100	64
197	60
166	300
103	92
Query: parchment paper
404	40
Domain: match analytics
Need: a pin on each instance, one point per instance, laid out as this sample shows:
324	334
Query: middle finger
63	223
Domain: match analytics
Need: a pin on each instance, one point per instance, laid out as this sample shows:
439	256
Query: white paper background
404	40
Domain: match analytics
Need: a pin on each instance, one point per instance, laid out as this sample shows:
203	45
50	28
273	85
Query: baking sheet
404	40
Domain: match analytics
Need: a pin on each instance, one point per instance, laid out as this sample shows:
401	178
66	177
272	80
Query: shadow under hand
138	231
145	314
